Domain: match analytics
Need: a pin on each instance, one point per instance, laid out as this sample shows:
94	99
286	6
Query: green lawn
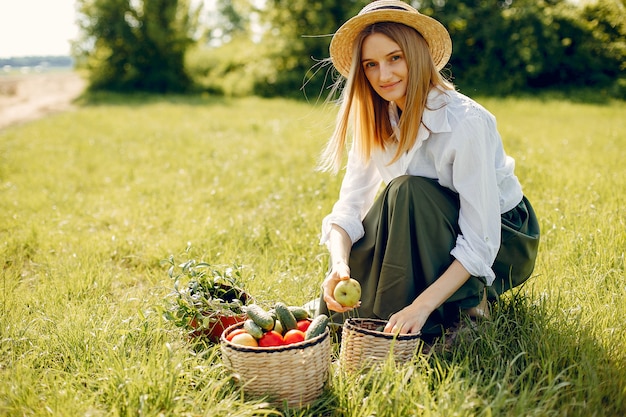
91	201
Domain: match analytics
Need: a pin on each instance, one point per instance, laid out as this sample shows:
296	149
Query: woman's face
385	67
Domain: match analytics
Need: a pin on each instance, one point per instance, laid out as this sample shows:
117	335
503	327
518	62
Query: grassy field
91	201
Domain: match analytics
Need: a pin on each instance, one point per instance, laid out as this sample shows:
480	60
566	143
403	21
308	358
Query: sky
37	27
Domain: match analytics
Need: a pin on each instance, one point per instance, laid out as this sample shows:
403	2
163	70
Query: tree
299	37
512	45
136	45
499	46
605	20
233	18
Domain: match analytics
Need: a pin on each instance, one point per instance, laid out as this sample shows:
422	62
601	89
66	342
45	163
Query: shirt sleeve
358	191
474	178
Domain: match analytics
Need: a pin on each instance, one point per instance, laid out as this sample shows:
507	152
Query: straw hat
434	33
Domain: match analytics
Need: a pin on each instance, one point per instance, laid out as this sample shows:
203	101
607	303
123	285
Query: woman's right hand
339	245
339	272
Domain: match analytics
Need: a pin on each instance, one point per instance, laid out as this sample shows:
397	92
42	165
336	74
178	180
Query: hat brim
435	34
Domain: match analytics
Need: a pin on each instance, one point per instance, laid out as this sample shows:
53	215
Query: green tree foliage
299	37
232	69
233	18
499	46
229	61
136	45
514	45
271	50
606	21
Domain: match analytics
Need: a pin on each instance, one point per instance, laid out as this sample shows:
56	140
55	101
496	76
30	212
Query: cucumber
299	313
251	327
261	318
286	317
317	326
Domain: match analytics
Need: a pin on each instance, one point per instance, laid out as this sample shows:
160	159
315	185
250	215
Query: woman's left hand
410	319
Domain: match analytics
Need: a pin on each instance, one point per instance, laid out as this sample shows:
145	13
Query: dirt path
29	97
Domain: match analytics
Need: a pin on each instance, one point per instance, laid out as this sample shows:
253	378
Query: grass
91	201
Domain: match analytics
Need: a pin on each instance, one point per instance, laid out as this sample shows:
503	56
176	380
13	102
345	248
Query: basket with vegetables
284	339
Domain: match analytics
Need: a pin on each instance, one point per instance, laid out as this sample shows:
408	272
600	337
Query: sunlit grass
91	202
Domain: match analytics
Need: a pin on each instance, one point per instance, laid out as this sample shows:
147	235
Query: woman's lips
389	85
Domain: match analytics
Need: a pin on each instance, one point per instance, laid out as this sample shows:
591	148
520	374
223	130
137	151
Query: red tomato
294	336
234	333
271	338
303	325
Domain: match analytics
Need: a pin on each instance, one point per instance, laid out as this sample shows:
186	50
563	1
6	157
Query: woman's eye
395	57
370	64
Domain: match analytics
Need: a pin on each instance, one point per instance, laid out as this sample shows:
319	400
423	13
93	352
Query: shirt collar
435	116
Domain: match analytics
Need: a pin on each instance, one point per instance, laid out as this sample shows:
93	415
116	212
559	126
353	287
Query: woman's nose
385	72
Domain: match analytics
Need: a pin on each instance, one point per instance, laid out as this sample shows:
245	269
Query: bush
231	70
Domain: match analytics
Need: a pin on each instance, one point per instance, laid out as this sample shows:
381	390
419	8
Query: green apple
348	292
278	326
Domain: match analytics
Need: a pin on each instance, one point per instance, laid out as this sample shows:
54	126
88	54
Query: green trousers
409	233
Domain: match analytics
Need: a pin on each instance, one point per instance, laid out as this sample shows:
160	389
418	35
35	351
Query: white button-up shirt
458	144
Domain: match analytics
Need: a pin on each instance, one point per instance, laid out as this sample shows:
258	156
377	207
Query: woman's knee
425	196
410	183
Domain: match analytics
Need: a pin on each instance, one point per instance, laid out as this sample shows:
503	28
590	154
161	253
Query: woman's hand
340	245
410	319
339	272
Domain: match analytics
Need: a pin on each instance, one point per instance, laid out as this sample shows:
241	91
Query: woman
451	224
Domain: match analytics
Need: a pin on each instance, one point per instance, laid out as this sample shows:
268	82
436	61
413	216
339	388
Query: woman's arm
339	244
343	225
412	318
358	190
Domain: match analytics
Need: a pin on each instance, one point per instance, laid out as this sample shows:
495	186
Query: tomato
294	336
303	325
234	333
271	338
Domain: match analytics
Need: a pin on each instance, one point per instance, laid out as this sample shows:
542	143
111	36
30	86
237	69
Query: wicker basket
362	346
294	374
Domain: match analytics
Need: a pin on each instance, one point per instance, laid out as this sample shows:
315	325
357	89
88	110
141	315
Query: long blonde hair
367	114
